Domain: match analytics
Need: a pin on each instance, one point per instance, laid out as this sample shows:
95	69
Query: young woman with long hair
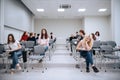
15	51
44	39
85	47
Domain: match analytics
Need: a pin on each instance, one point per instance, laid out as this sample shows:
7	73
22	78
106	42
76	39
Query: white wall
101	24
110	28
17	33
115	11
62	28
15	19
1	20
0	10
16	15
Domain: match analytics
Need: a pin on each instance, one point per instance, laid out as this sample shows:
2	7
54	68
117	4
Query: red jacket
24	38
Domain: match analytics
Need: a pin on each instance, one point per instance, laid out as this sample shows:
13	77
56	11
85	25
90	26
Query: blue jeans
88	57
46	48
15	56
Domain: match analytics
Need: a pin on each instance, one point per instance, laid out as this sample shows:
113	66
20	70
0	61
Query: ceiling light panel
82	10
102	10
61	10
40	10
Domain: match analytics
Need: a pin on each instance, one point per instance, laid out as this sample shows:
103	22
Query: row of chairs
2	50
106	52
31	51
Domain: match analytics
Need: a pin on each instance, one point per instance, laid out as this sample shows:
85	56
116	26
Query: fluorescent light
102	10
61	10
82	10
40	10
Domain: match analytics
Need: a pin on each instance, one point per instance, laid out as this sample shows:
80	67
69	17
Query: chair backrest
112	43
96	44
38	50
103	43
23	43
1	48
74	41
51	41
29	44
6	47
106	48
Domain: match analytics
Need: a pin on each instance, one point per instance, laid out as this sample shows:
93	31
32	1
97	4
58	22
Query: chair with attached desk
96	53
7	56
2	55
109	57
36	56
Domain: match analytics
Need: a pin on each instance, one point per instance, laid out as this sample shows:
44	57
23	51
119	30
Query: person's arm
39	40
47	42
54	37
19	46
89	47
79	46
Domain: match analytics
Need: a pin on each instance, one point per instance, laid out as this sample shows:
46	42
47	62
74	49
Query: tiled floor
61	67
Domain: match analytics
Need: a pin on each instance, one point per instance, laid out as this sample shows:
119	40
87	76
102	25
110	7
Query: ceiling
51	7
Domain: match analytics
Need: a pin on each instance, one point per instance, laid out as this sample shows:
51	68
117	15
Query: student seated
32	38
70	39
44	40
97	35
24	36
52	36
15	51
82	34
85	46
77	35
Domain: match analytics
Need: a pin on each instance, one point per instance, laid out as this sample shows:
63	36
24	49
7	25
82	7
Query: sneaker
95	69
87	70
12	71
18	67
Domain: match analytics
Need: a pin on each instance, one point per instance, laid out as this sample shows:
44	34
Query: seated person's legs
15	57
24	54
88	56
46	48
84	55
89	59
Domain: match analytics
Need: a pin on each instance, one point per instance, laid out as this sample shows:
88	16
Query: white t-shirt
97	38
14	45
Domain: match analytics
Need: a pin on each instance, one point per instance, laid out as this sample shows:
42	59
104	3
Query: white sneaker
18	67
12	71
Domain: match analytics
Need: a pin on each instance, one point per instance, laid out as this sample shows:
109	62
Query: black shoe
40	60
70	54
77	66
87	70
95	69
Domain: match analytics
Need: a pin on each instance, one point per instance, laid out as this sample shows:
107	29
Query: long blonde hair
90	42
